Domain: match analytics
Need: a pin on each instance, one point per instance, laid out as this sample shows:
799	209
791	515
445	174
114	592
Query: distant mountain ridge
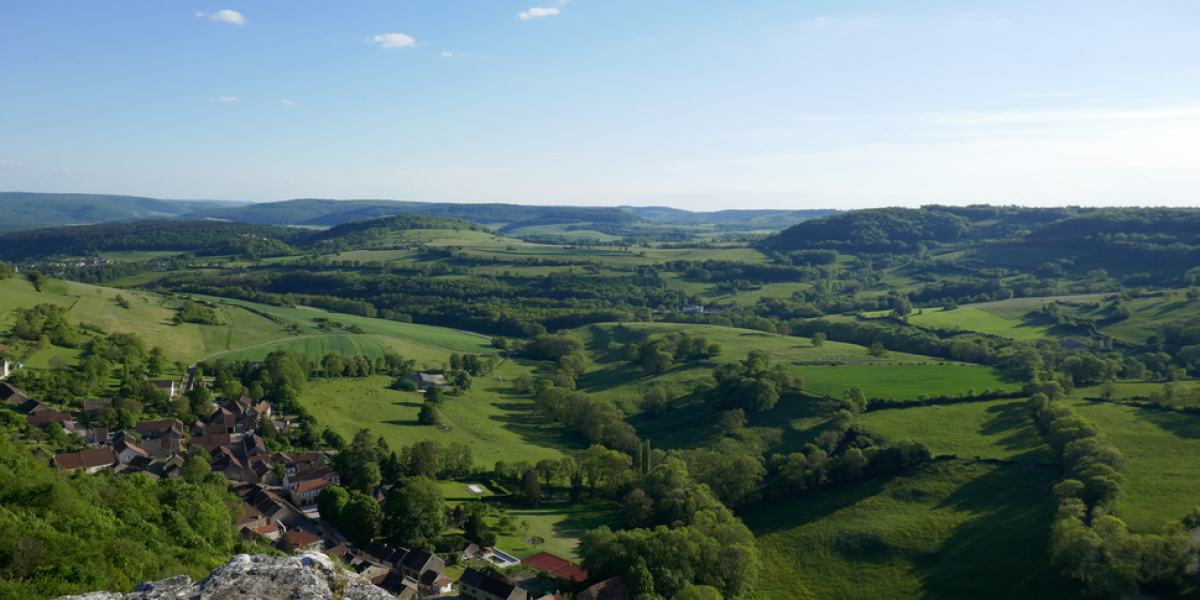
25	210
769	218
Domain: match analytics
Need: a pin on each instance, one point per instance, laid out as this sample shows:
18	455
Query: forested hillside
36	211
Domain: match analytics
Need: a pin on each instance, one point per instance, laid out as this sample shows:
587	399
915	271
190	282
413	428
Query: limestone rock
307	576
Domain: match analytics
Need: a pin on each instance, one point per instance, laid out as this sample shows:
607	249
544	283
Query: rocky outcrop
307	576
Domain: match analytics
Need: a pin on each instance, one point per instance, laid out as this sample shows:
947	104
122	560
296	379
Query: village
279	494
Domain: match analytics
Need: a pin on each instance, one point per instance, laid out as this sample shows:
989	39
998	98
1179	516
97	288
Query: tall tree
359	519
416	513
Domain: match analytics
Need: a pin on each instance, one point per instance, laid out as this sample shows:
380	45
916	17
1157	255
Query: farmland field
946	530
1162	455
625	383
993	429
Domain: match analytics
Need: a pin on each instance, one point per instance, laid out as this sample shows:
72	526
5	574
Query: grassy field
904	382
493	422
940	531
970	318
1149	314
995	429
561	524
148	316
1017	308
439	337
625	383
317	347
690	421
1162	453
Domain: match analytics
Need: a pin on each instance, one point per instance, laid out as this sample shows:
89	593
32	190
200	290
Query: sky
695	104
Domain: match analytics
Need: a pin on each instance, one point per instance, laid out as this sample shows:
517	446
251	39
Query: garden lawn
994	429
940	531
1162	456
560	523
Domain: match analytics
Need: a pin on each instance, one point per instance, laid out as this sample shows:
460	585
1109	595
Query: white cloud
394	40
448	54
533	13
228	16
228	99
288	102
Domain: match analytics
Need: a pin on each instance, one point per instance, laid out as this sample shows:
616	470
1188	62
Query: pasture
1000	429
940	531
625	383
438	337
492	421
970	318
316	347
904	382
149	316
1162	456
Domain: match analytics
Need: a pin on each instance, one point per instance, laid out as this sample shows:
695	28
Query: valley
842	414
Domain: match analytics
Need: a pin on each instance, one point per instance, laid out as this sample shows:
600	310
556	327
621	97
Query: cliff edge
307	576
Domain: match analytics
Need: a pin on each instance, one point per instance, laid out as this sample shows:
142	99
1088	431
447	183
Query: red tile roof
96	457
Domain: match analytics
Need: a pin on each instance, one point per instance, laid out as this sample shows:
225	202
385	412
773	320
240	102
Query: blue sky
695	104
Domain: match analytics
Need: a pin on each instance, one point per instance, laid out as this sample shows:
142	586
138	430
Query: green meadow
625	383
999	429
940	531
904	382
1162	456
317	347
149	316
438	337
971	318
493	422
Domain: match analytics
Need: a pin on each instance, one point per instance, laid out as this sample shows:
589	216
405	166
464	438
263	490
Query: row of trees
1091	544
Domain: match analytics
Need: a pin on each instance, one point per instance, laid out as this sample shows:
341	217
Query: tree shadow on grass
520	417
803	508
1003	551
1183	425
1013	418
690	422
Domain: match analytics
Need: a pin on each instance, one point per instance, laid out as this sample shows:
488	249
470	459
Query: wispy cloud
534	13
447	54
394	40
228	16
287	102
27	166
229	99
